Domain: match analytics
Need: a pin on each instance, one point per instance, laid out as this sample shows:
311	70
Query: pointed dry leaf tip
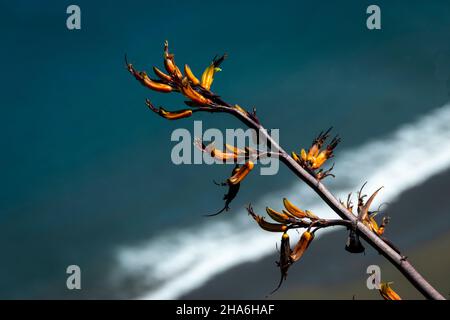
301	246
361	196
241	173
349	204
366	216
363	208
387	292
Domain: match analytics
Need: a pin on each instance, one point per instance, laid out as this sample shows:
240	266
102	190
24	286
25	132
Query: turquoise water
86	167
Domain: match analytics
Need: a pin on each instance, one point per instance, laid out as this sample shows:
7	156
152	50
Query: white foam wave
405	158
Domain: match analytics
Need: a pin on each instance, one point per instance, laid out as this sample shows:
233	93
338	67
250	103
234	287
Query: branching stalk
201	99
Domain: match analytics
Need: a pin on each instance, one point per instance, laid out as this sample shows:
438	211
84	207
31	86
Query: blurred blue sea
86	167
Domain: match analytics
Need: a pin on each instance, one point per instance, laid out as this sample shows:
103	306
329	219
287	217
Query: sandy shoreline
419	226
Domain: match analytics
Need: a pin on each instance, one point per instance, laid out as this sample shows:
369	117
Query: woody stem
405	267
